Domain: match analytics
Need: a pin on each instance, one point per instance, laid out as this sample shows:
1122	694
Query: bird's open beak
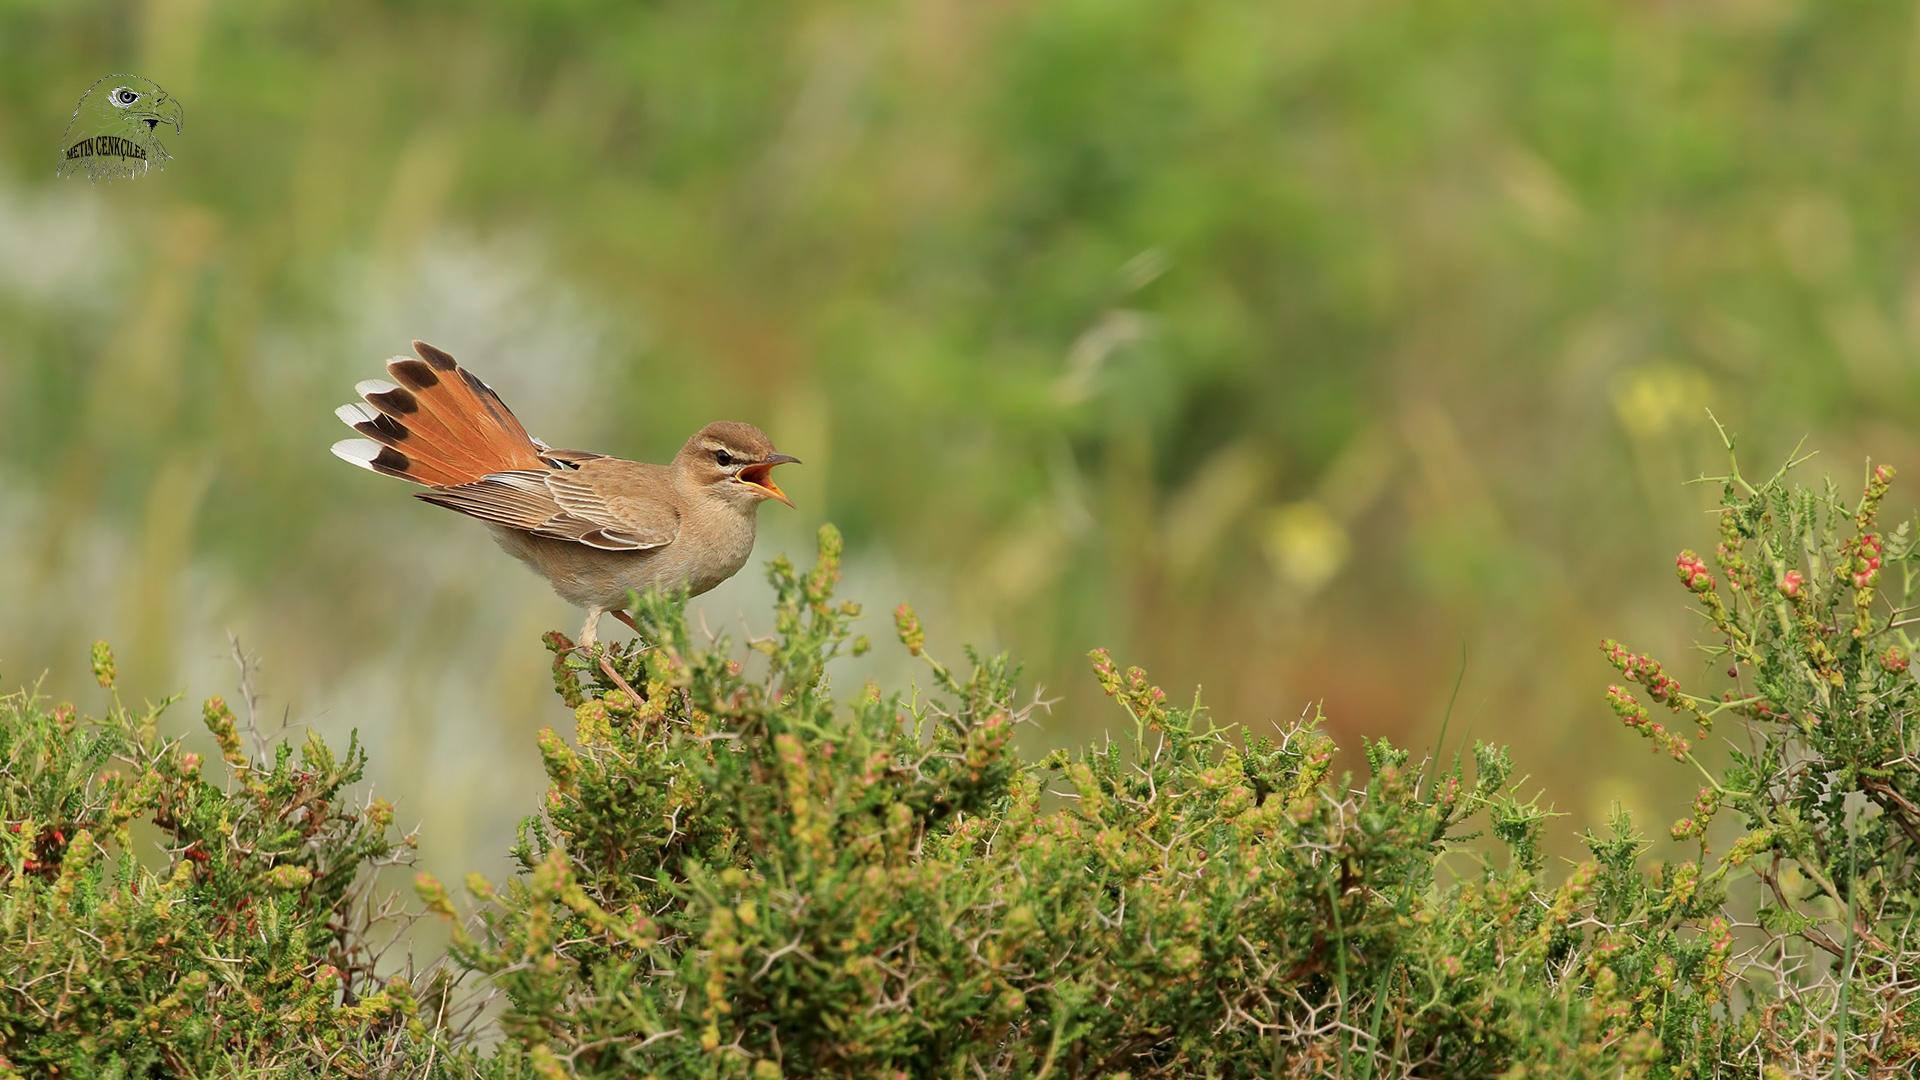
760	475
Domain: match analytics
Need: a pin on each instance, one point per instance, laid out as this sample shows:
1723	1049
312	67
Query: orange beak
760	475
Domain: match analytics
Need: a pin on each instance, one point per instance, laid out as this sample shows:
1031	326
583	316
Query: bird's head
734	462
114	128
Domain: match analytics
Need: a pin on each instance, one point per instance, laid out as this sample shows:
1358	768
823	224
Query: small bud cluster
1567	901
288	877
1634	715
562	764
226	731
1694	575
1793	584
1712	971
1878	483
1861	564
1705	805
1693	572
103	671
433	894
1147	702
1728	553
1642	669
1861	557
1866	550
908	624
1747	847
1661	686
566	676
1104	671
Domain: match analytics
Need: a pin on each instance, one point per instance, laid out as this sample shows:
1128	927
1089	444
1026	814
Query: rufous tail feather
437	424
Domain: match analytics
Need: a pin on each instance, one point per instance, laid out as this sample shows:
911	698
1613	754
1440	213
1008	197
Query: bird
598	528
114	130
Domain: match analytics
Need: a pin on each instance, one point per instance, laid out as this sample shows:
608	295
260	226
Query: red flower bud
1693	572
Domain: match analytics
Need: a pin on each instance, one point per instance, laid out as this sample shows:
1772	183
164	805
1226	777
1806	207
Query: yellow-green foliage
738	873
154	923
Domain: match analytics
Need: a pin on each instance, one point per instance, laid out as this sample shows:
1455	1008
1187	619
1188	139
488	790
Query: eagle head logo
115	129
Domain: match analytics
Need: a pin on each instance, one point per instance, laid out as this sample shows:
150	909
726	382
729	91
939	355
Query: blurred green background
1287	348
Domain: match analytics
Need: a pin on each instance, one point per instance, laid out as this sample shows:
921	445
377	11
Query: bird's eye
125	97
725	459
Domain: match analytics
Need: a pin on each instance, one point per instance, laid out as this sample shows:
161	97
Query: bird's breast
711	547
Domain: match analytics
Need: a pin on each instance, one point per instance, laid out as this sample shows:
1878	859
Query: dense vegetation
741	871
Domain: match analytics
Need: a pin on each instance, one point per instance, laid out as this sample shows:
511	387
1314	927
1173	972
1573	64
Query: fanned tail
437	424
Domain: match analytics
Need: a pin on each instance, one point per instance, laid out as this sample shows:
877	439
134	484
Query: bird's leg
625	618
606	662
633	696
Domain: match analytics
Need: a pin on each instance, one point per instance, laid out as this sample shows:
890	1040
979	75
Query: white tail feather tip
370	387
355	413
359	452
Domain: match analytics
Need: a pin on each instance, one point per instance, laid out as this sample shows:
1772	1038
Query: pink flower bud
1693	572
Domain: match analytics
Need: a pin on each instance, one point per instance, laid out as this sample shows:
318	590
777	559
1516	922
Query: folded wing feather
529	500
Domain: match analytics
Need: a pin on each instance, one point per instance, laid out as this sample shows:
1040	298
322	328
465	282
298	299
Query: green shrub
739	873
155	924
1807	616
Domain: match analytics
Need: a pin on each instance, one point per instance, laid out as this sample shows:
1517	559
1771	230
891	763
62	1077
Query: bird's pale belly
593	578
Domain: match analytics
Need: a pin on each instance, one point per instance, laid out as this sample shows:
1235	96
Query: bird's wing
559	505
600	491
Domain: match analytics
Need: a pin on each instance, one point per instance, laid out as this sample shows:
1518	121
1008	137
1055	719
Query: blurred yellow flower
1649	400
1306	544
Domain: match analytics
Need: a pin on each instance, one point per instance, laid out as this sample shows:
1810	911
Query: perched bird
596	527
113	132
